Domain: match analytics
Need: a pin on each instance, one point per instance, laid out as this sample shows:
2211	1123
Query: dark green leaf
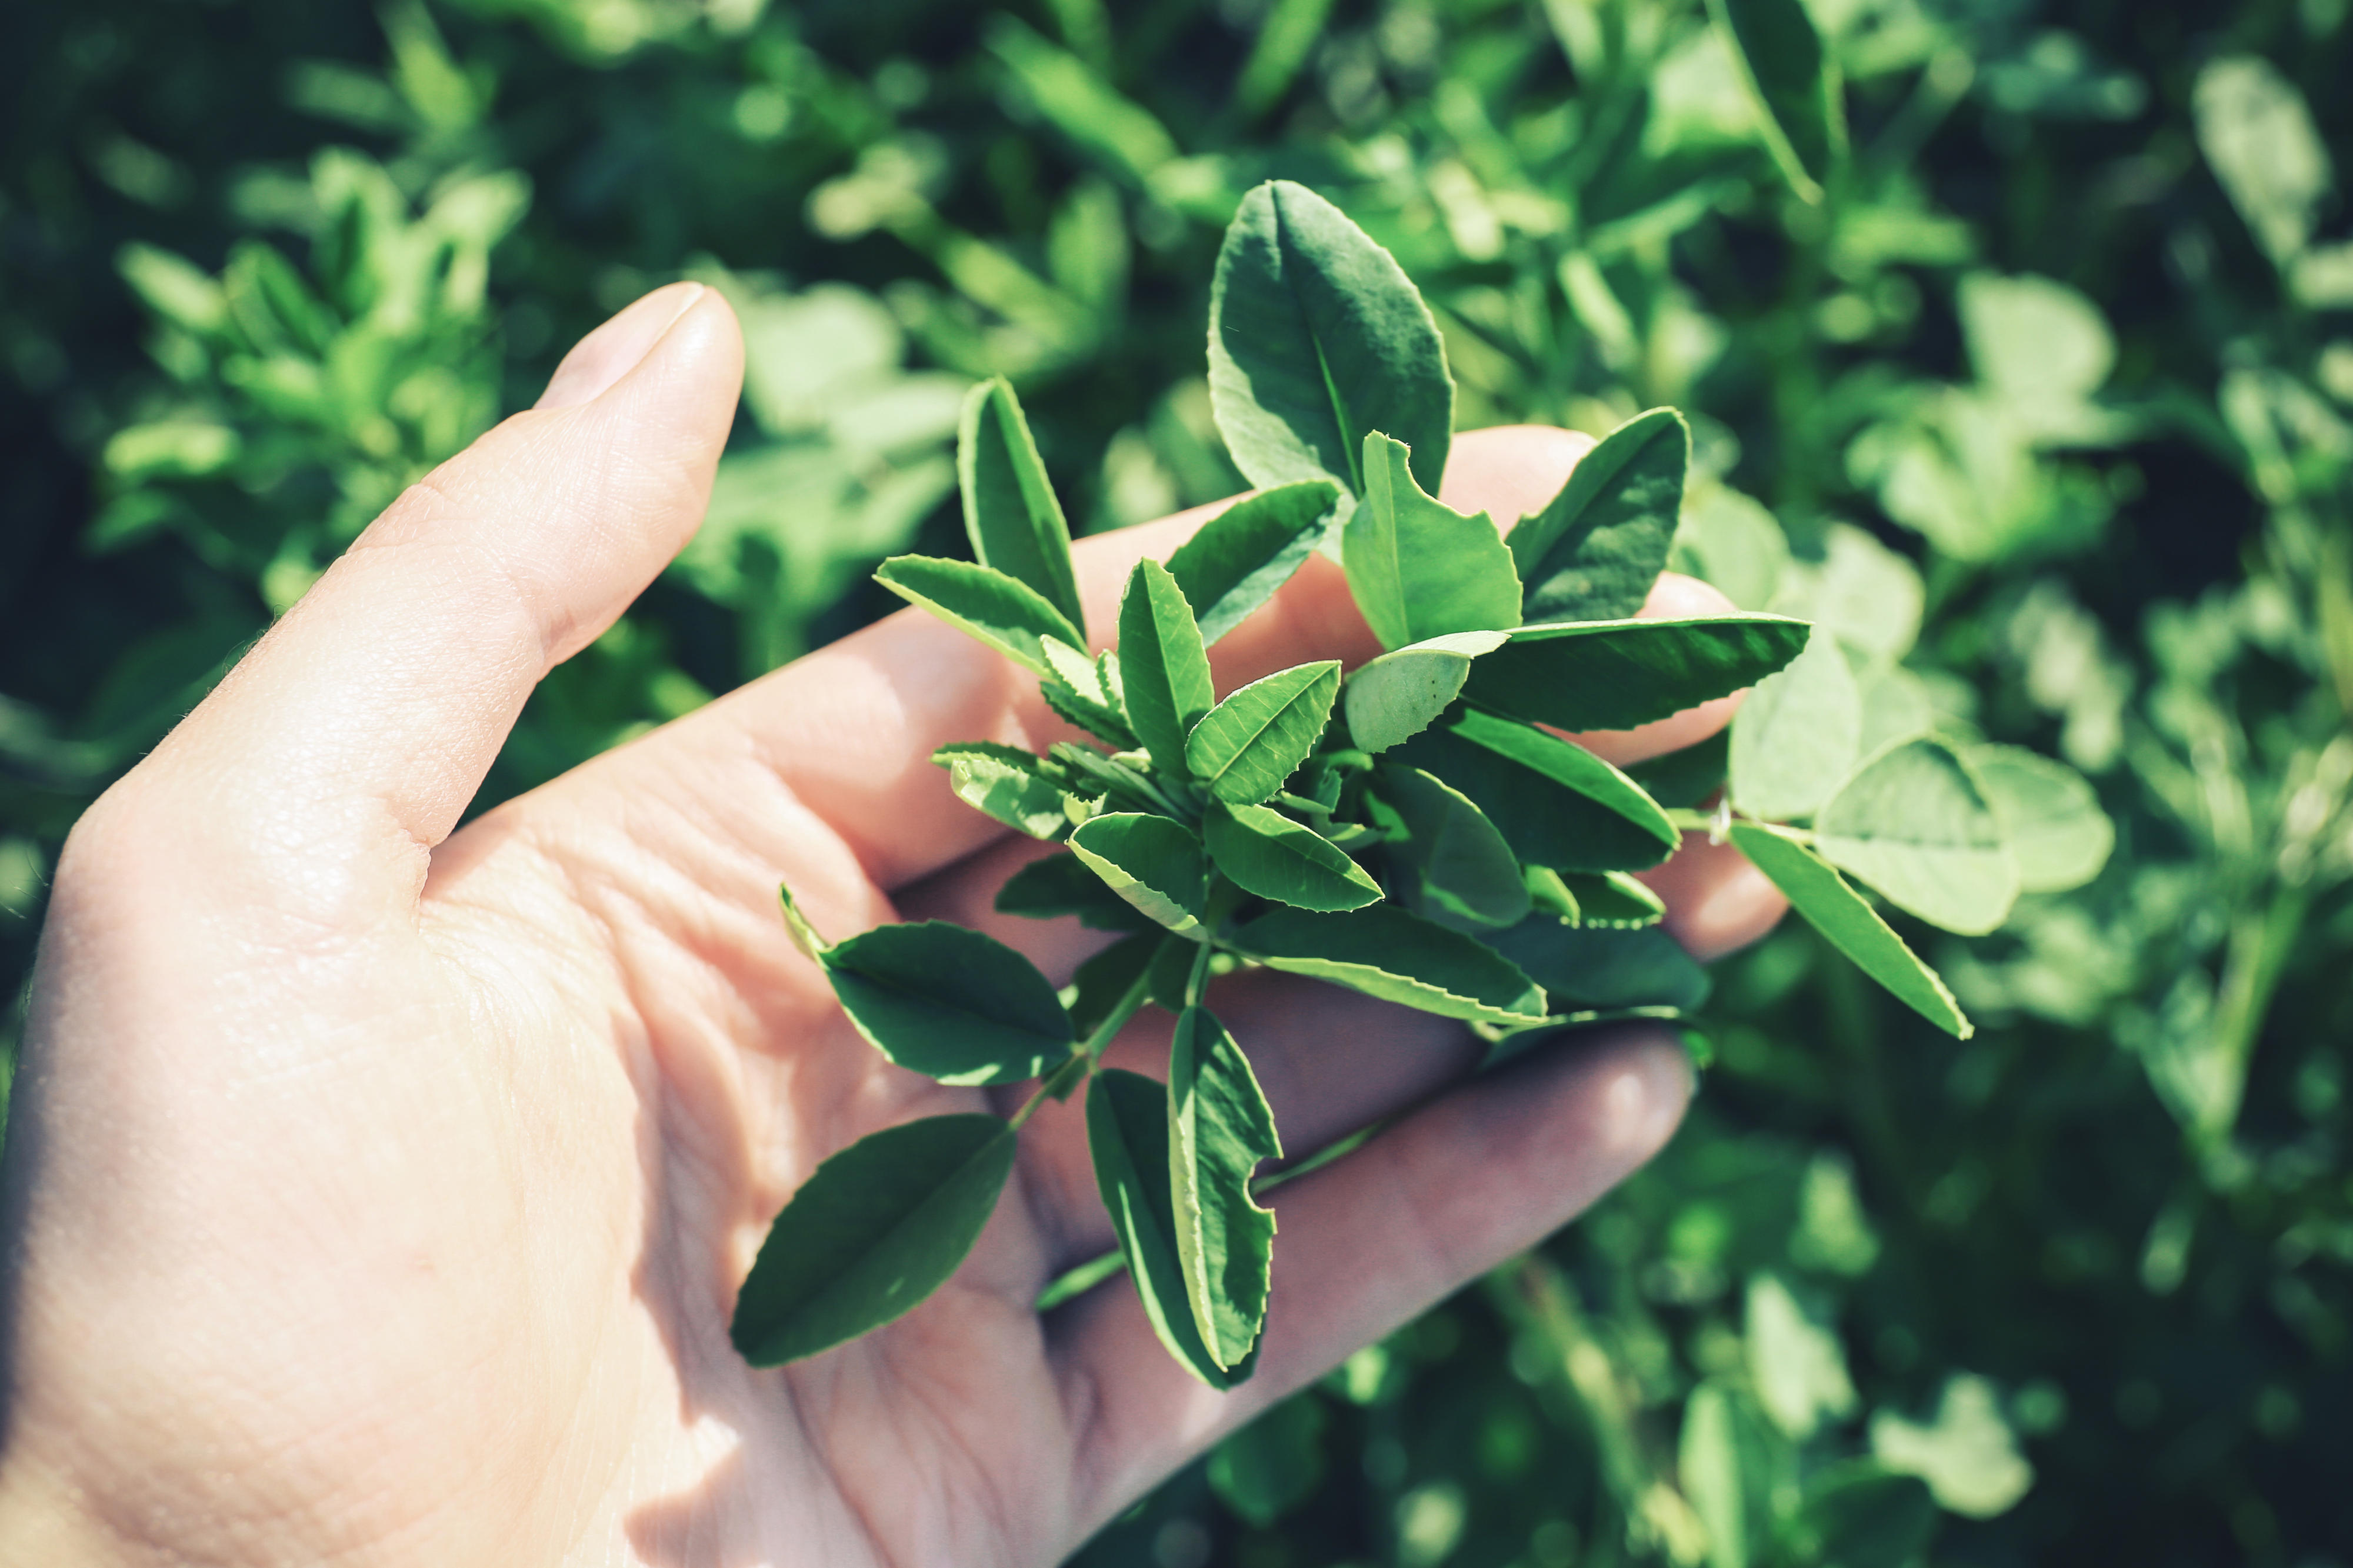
1172	971
950	1003
1796	736
1239	557
1385	951
1246	746
1857	1514
1268	854
1153	862
1687	777
1127	1133
1590	966
1164	668
1419	569
1853	926
2057	832
1103	981
1008	615
1612	900
1087	692
1555	804
1396	695
1009	507
1218	1129
1795	83
1019	788
1592	553
1913	824
1614	674
1057	885
1463	872
1272	1465
1316	337
874	1230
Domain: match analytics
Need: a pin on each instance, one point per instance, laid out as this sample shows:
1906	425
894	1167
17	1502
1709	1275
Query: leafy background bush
2058	355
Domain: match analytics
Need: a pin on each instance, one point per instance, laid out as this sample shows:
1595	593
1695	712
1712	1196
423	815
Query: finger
357	731
1373	1240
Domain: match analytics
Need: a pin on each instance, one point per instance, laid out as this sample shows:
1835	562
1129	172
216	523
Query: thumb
351	738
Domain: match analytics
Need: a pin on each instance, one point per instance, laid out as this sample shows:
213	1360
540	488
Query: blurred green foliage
2022	356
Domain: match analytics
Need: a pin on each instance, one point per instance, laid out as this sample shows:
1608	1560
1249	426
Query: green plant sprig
1417	829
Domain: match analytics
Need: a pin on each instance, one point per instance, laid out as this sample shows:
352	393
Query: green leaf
1592	553
950	1003
1164	668
2057	832
1266	853
873	1231
1801	111
1316	337
1089	708
1172	971
1687	777
1850	924
1127	1133
1595	967
1218	1129
1614	674
1274	1464
1796	736
1384	952
1103	981
1463	872
1396	695
1729	540
1871	596
1239	557
1246	746
1856	1514
1019	788
1055	886
1614	901
1556	803
1009	509
1008	615
1153	862
797	927
1419	569
1913	824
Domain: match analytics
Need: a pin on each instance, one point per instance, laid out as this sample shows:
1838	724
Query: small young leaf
1687	777
1239	557
1913	824
1103	981
1088	704
950	1003
1127	1133
1092	772
1057	885
1795	83
1268	854
2057	832
1556	803
1019	789
1795	738
1419	569
874	1230
1592	966
1614	674
1247	745
1009	509
1613	902
1153	862
1317	336
1592	553
1396	695
797	926
1218	1129
1848	921
1008	615
1165	669
1463	874
1383	950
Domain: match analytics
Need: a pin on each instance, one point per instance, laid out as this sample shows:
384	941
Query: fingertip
1510	471
1675	598
598	361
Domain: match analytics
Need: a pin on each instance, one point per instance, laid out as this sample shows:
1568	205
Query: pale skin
378	1192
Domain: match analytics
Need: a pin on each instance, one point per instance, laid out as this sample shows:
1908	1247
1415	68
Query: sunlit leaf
1913	824
1246	746
1556	803
1164	671
1385	951
1592	553
1615	675
950	1003
1019	788
1009	509
1417	568
1796	737
1153	862
1008	615
1268	854
1219	1129
1396	695
2049	815
1239	557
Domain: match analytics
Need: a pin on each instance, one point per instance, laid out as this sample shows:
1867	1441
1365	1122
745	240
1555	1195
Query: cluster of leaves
1418	830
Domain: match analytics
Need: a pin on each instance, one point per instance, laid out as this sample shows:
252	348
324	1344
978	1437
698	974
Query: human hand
379	1194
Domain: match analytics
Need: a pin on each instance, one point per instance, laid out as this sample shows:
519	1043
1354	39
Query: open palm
379	1193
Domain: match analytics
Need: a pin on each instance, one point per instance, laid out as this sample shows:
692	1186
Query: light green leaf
1592	553
1595	967
1850	924
1246	746
1087	692
1794	1363
1556	803
873	1231
796	925
1419	569
1266	853
1009	509
1727	1471
1019	788
1913	824
1218	1129
1239	557
1796	736
1967	1455
1464	873
1127	1133
2049	815
1895	707
1384	952
1056	886
2258	136
1316	337
1008	615
949	1003
1730	540
1614	674
1153	862
1396	695
1800	111
1164	668
1868	594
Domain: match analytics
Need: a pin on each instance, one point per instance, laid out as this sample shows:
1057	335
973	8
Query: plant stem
1198	981
1073	1072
